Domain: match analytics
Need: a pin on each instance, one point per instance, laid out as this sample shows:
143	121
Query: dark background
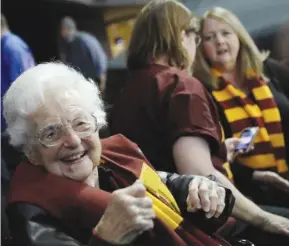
37	22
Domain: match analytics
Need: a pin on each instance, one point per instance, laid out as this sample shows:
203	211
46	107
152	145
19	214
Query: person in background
74	189
82	51
172	117
281	45
250	90
16	57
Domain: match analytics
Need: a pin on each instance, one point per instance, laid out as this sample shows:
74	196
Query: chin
80	172
79	177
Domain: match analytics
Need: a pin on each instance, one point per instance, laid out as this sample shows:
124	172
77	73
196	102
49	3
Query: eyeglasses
51	135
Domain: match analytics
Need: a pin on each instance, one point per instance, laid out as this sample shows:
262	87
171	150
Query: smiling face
67	143
221	44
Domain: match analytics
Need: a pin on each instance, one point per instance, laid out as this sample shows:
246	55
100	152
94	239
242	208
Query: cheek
189	46
92	142
94	147
192	52
208	50
47	155
235	44
49	159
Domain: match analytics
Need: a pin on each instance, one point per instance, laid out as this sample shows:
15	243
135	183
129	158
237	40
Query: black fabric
179	184
279	73
9	160
242	230
9	155
260	192
31	225
279	85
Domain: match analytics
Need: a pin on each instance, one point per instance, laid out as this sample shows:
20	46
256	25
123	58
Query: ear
32	156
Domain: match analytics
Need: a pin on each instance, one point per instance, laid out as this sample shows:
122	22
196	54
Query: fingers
137	189
145	213
139	227
221	192
207	195
144	202
213	201
129	213
234	141
251	147
193	200
204	196
144	224
236	154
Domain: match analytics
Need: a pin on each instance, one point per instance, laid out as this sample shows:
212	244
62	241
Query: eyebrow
211	32
222	29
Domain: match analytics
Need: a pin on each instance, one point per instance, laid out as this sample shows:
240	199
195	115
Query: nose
219	38
71	139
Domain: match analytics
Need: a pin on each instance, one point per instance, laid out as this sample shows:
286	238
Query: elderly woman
169	114
74	188
250	90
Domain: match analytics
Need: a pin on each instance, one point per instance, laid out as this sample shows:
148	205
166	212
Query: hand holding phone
246	139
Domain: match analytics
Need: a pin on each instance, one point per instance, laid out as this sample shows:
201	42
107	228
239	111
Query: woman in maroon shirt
168	113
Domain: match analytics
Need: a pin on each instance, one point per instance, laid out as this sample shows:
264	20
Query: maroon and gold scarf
82	205
260	110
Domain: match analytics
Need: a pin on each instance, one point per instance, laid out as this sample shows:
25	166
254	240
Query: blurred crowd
195	150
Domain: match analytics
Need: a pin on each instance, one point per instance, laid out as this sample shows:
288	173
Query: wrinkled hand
275	224
206	195
231	144
272	178
128	215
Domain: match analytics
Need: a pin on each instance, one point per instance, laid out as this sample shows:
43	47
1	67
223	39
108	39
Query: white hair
28	92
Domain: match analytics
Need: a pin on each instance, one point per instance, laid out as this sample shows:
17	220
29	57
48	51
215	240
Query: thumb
235	141
137	189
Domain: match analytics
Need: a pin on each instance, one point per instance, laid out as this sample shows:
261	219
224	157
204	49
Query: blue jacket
16	57
84	52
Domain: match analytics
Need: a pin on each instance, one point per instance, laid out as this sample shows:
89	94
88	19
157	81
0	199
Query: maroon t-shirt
158	105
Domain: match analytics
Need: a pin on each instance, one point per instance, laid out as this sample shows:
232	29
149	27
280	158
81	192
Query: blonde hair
250	58
29	91
157	32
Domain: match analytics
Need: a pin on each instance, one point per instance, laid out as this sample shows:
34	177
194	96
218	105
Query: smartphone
247	137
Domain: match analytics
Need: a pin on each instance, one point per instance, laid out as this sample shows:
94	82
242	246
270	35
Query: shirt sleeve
16	66
97	54
192	113
20	60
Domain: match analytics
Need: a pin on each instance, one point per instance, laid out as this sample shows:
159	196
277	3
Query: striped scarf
259	110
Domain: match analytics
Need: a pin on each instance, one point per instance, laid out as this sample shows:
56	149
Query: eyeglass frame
37	136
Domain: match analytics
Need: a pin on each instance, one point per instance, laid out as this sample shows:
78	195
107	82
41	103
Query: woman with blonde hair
170	115
250	90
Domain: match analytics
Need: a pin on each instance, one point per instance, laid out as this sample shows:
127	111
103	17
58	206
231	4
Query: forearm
243	209
192	156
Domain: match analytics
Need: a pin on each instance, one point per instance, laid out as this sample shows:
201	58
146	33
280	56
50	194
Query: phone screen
247	137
